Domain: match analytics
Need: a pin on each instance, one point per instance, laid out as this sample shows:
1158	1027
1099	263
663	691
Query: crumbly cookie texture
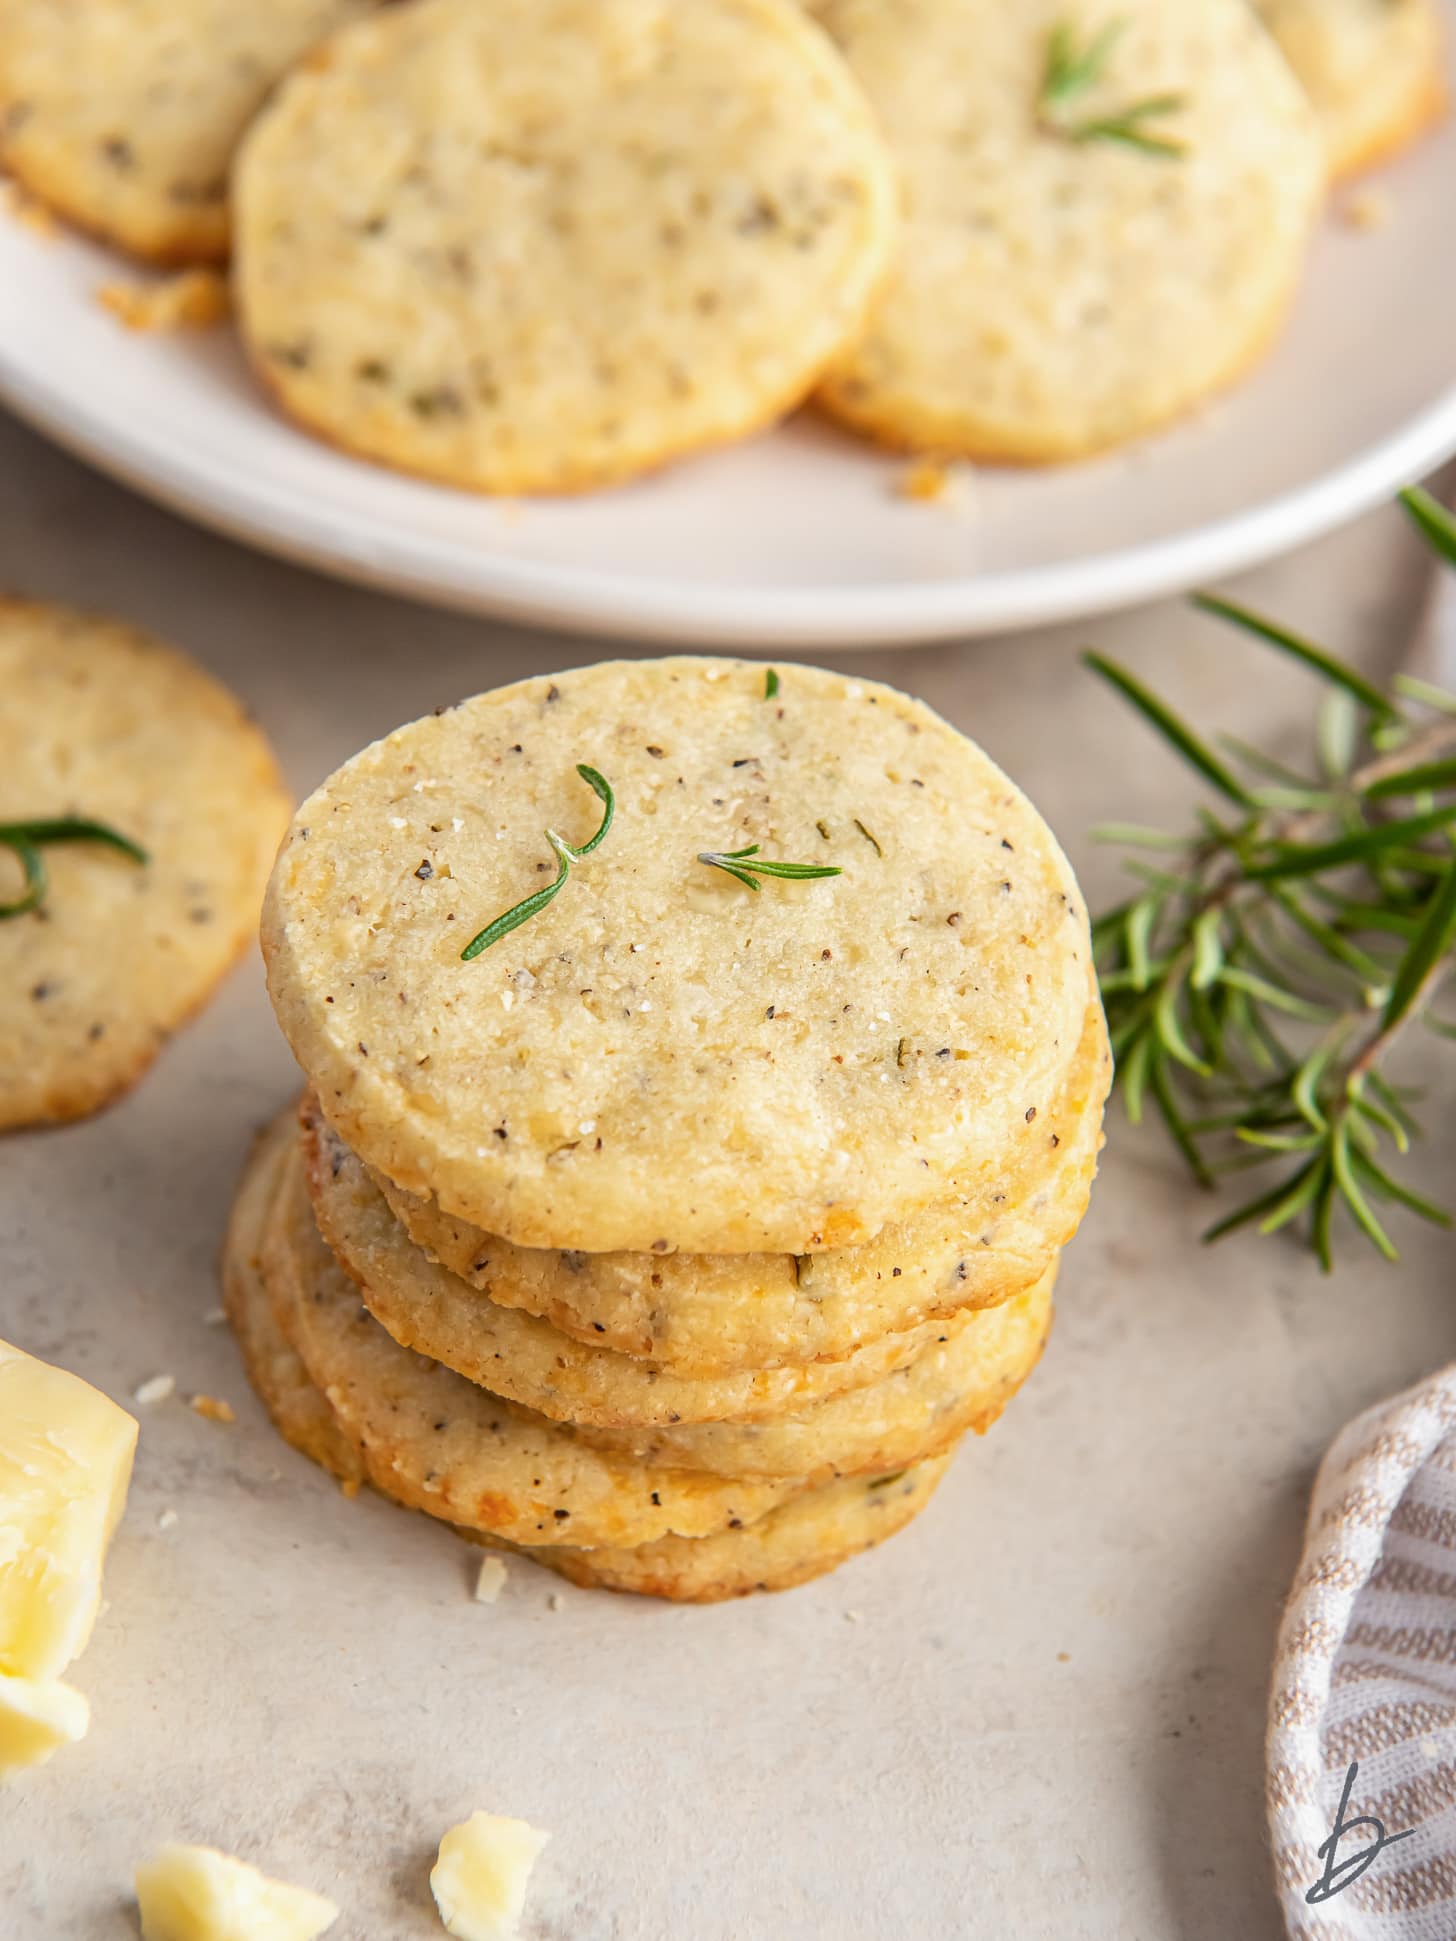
707	1315
803	1538
427	1308
122	115
459	1452
1374	69
1055	295
662	1058
104	722
545	244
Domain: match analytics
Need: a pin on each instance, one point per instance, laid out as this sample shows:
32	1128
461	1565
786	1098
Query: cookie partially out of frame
102	722
540	245
1374	69
662	1057
122	115
1055	292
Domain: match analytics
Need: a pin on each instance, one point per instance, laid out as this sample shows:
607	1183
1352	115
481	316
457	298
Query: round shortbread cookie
299	1412
964	1373
803	1538
104	723
123	114
427	1308
1057	294
545	244
1374	69
661	1058
961	1383
704	1316
454	1449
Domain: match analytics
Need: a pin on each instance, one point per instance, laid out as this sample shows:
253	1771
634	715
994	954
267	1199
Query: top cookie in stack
708	1063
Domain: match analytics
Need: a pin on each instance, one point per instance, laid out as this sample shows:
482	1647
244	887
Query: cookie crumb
157	1388
926	481
490	1580
167	1520
213	1408
553	1602
214	1318
189	301
348	1486
853	1617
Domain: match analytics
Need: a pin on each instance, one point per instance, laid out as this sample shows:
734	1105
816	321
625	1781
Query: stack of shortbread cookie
705	1070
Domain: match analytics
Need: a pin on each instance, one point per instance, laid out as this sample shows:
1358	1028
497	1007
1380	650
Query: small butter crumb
189	301
167	1520
490	1580
1366	210
203	1895
926	479
213	1408
155	1389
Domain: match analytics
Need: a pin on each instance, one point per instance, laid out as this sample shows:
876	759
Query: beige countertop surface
1036	1714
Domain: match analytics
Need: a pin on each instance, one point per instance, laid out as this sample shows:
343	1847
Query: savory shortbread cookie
704	1316
803	1538
102	724
1374	69
1061	287
544	244
457	1451
961	1383
663	1056
299	1412
123	114
427	1308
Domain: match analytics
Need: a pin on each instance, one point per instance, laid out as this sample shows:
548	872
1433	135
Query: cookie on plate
1108	206
123	114
131	924
663	1056
1374	69
540	245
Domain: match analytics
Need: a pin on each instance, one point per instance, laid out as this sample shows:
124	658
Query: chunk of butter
199	1894
65	1462
37	1717
479	1880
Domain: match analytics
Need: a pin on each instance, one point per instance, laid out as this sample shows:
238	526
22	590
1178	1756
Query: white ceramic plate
801	538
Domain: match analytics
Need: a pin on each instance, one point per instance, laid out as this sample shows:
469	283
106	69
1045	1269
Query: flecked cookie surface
102	722
457	1451
1374	69
123	114
704	1316
662	1057
427	1308
544	244
1058	291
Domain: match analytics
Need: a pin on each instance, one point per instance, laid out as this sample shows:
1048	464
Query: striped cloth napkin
1365	1679
1362	1715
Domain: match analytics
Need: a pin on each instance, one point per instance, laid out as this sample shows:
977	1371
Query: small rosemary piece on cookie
737	863
770	684
566	855
26	839
1071	68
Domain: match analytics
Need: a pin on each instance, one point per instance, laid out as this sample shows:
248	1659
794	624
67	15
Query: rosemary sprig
737	865
566	855
1072	68
1267	963
26	839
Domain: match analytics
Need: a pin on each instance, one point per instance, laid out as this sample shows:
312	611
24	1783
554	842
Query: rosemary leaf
1182	737
1299	649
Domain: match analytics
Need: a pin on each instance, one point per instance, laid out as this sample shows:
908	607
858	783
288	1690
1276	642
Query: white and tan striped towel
1365	1676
